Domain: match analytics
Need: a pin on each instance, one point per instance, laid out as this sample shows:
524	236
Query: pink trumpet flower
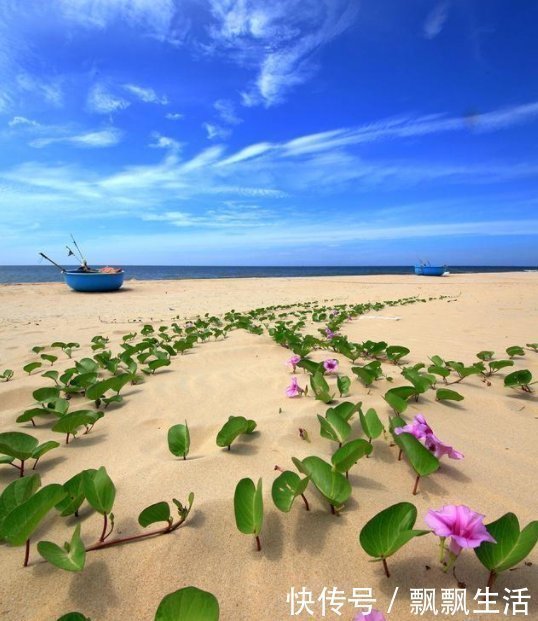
463	525
293	362
438	448
375	615
329	333
418	428
330	366
294	390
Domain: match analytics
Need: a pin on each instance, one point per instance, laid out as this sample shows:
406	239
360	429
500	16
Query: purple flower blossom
438	448
294	390
418	428
293	362
331	365
375	615
329	333
422	431
463	525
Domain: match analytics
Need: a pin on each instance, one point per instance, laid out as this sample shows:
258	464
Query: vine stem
307	506
492	578
386	568
258	544
415	489
105	524
26	553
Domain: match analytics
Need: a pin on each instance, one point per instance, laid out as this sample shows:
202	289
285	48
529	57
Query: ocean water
48	273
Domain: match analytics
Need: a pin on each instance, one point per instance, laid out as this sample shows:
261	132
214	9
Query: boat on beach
425	269
88	279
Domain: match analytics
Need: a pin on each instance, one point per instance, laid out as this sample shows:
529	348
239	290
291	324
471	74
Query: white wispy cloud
216	132
279	38
164	142
152	17
436	19
49	89
102	101
90	140
174	116
226	111
22	120
145	94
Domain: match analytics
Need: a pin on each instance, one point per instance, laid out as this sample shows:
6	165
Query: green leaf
512	546
320	388
343	384
515	350
44	395
485	355
331	484
441	371
40	450
32	366
367	376
158	512
74	488
420	458
396	402
18	445
248	507
370	423
286	487
333	427
157	364
518	379
310	366
19	525
49	358
179	440
232	428
73	616
444	394
188	604
389	530
99	490
16	493
396	352
71	557
349	454
497	365
71	423
346	409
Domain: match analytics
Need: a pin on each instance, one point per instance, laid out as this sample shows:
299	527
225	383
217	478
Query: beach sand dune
495	428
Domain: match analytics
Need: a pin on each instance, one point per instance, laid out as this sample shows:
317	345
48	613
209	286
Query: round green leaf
389	530
286	487
158	512
349	454
99	490
70	557
188	604
18	445
248	507
179	440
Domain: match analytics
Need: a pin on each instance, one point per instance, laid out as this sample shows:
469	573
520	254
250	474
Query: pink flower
438	448
293	362
461	524
334	313
329	333
294	390
422	431
375	615
330	366
418	428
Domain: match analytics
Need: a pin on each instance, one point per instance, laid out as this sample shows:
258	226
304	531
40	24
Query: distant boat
430	270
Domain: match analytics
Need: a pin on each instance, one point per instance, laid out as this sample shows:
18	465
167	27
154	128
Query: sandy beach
245	374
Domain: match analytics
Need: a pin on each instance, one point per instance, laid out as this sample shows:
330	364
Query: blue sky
269	132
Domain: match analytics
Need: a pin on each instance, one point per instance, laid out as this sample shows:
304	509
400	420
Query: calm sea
48	273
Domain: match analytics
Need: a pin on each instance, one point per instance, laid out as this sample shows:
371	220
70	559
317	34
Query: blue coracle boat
94	281
430	270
